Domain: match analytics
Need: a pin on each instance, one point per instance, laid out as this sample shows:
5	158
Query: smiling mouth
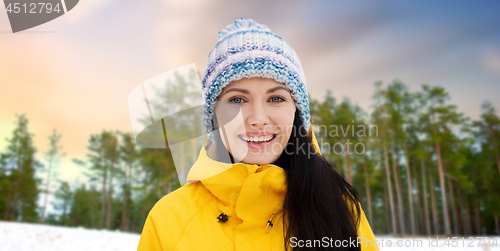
259	139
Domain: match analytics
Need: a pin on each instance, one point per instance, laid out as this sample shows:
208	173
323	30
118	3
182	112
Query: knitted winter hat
248	49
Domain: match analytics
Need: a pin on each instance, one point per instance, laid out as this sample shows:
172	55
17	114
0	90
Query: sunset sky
75	73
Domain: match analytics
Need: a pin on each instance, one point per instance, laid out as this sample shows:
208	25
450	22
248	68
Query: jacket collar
224	180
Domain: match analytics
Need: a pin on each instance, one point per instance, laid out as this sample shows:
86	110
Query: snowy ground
16	236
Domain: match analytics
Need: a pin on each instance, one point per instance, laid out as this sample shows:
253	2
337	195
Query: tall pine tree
19	183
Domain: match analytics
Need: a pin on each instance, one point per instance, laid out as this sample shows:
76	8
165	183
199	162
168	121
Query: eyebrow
277	88
246	91
235	90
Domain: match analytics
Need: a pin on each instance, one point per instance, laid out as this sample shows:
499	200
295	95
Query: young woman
260	182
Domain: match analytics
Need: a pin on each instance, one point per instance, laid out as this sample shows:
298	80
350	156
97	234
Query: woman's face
261	129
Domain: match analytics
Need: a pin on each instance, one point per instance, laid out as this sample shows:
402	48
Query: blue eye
277	99
236	100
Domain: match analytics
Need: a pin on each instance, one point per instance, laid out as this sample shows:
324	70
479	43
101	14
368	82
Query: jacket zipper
270	223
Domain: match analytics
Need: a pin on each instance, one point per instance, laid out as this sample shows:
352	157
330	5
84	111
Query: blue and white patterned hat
248	49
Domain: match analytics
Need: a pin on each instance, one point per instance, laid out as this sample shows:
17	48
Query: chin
260	159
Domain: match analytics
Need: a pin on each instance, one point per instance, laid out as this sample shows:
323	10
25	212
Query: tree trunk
46	191
461	217
125	216
453	207
7	203
419	215
388	177
129	197
110	205
126	197
468	218
424	198
92	203
110	197
398	188
387	213
14	212
441	178
124	208
348	166
410	189
497	226
65	214
339	164
368	194
477	214
433	205
103	197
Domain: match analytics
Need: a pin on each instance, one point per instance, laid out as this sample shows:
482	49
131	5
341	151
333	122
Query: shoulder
181	203
170	215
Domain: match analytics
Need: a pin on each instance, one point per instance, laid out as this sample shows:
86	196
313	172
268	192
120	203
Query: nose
258	116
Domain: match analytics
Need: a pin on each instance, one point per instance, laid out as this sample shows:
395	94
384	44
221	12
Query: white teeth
257	139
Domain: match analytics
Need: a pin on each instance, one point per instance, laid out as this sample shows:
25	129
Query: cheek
229	125
283	118
283	115
288	128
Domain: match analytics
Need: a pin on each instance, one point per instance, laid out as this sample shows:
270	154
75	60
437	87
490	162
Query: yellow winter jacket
250	196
